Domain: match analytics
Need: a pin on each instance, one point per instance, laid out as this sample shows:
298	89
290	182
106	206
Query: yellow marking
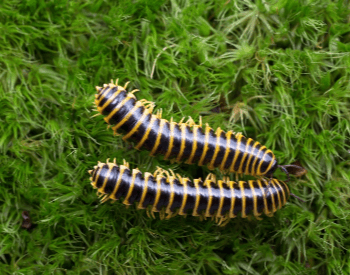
210	200
144	191
206	141
103	90
274	208
255	199
101	108
217	148
171	141
198	197
246	171
145	136
117	108
159	136
184	198
272	199
128	115
103	94
285	191
278	195
228	140
102	188
137	125
183	140
172	195
238	150
120	176
131	187
221	203
243	197
262	186
194	144
159	192
245	154
233	199
258	171
271	162
262	161
262	189
96	176
256	160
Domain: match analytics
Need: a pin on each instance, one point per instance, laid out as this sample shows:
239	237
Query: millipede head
293	169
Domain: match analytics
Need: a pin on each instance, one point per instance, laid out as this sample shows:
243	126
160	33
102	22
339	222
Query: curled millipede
172	194
230	152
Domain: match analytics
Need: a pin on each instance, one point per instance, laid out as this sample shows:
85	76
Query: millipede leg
210	178
283	168
162	214
295	196
226	221
126	85
159	171
126	164
134	91
95	115
105	198
179	177
172	173
149	212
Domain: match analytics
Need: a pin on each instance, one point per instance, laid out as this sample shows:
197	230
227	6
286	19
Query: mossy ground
276	71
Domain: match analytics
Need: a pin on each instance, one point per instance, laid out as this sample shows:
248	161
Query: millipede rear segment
230	152
172	194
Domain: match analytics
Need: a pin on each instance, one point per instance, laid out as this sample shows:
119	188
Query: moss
278	72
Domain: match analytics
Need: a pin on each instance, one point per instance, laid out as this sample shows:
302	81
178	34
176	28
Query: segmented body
230	152
176	195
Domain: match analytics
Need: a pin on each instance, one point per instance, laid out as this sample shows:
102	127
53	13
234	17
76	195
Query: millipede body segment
169	194
230	152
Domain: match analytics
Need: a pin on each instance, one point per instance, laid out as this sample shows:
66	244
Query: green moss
277	72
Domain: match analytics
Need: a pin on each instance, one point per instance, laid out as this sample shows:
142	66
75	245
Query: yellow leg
210	178
126	85
126	164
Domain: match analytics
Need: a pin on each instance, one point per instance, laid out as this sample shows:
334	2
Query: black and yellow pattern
172	194
230	152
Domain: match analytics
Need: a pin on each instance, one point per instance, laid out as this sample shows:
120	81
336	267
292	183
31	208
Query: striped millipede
230	152
172	194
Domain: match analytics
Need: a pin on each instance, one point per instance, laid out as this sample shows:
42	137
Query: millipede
184	141
173	195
